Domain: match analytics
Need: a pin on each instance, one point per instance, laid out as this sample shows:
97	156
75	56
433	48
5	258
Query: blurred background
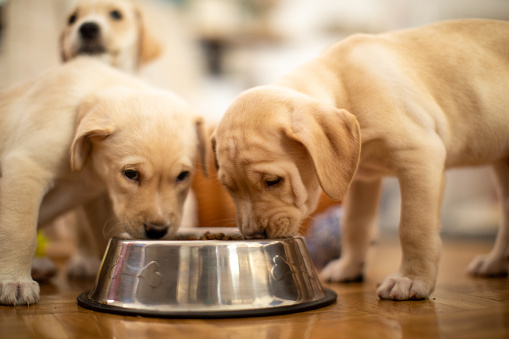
214	49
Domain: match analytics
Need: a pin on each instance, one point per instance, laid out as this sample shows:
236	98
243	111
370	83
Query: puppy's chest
69	190
83	182
372	170
375	161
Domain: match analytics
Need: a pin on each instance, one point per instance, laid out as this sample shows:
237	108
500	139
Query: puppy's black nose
256	235
90	30
155	231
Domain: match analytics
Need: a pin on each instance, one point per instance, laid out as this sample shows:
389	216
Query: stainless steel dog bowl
206	279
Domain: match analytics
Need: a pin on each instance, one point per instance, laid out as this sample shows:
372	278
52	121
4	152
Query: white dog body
410	104
79	131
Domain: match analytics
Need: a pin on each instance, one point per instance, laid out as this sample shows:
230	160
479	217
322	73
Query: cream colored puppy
409	104
79	131
112	30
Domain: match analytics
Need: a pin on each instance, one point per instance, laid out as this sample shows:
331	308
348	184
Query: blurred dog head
274	149
113	30
144	146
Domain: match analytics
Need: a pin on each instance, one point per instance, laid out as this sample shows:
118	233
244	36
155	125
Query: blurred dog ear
203	143
213	143
149	46
331	137
63	35
92	124
63	57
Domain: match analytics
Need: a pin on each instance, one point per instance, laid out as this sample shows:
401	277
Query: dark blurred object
226	25
2	19
214	51
323	237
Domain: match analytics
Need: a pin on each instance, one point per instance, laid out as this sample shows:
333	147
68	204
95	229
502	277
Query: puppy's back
50	102
66	84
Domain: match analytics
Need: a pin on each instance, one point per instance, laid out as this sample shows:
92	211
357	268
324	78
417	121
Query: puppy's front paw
341	270
403	288
83	266
24	292
487	265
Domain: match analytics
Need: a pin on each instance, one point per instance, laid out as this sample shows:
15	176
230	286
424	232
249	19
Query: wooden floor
461	307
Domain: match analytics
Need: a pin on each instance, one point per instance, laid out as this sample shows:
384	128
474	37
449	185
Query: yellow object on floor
42	244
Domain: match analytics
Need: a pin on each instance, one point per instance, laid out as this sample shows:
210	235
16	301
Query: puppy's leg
421	183
22	186
497	261
360	210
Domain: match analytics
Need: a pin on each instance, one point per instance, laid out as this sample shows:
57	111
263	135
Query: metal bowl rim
182	242
329	298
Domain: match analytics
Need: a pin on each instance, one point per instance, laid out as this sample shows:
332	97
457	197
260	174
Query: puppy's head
113	30
143	145
274	149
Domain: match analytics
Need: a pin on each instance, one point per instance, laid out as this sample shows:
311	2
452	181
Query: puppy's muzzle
155	230
90	31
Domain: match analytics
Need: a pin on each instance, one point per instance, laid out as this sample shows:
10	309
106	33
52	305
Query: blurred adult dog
410	104
112	30
79	131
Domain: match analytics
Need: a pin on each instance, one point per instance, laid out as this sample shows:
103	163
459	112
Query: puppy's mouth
263	234
255	235
91	49
279	226
156	231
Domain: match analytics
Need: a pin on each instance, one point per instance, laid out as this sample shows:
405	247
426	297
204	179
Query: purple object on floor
323	237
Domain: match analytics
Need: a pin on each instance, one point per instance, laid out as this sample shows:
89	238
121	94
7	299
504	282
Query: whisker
226	222
113	228
300	232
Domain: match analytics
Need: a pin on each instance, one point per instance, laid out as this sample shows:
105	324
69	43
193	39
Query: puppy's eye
273	182
183	176
132	174
115	15
72	19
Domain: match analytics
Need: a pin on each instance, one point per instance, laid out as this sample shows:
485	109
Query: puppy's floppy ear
63	56
92	123
331	136
203	144
149	46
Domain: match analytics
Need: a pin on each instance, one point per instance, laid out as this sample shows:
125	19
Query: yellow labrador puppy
112	30
80	130
409	104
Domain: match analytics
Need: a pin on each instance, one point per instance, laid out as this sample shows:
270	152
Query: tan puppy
112	30
115	32
409	104
81	130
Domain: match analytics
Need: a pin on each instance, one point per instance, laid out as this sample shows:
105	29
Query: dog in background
409	104
112	30
79	131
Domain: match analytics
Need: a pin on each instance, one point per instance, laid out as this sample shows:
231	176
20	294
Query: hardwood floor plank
117	326
488	323
45	326
465	301
79	325
13	327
